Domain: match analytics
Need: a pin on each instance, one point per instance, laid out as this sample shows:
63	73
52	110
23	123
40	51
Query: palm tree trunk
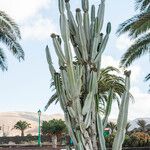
54	141
22	132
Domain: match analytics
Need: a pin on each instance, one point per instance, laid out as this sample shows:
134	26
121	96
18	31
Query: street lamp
39	128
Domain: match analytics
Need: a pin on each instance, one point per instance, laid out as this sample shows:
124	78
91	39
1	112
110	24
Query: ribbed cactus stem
58	49
100	15
85	5
71	21
92	13
123	114
78	16
100	132
61	6
82	36
108	107
77	81
102	46
49	60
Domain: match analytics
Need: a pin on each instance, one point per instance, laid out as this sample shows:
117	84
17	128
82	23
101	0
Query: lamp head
39	112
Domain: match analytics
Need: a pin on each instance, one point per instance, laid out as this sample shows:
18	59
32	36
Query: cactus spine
76	83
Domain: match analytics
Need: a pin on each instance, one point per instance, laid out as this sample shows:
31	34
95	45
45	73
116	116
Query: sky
26	84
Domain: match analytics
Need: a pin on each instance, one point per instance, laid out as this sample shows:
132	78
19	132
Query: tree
138	28
110	88
142	124
76	82
22	126
112	126
9	35
55	128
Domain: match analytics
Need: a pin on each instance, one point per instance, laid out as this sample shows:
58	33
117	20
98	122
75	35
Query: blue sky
25	86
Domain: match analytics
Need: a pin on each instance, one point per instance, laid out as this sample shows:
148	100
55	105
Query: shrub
140	139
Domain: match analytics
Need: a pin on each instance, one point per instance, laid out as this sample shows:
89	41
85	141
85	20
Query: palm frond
13	45
22	125
8	22
53	98
147	77
9	36
142	5
3	65
109	69
136	25
137	49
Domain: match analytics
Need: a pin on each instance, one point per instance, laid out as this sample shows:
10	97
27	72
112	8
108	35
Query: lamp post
39	128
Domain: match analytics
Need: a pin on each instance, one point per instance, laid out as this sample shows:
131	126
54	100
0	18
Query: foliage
140	139
22	125
53	127
142	125
127	141
112	126
9	35
29	135
136	139
138	28
24	139
109	140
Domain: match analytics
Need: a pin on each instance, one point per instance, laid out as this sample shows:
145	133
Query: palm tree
22	126
110	88
108	81
142	124
9	36
112	126
138	28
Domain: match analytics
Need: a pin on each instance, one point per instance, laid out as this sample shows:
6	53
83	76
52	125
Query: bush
109	140
140	139
136	139
19	139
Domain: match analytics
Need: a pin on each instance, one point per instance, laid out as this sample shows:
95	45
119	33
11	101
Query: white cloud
110	61
28	14
40	28
140	108
135	73
21	10
123	42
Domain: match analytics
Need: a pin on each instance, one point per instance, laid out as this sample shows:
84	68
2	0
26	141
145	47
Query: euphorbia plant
77	81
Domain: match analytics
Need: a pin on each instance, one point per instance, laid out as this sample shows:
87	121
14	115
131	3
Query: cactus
122	117
76	82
